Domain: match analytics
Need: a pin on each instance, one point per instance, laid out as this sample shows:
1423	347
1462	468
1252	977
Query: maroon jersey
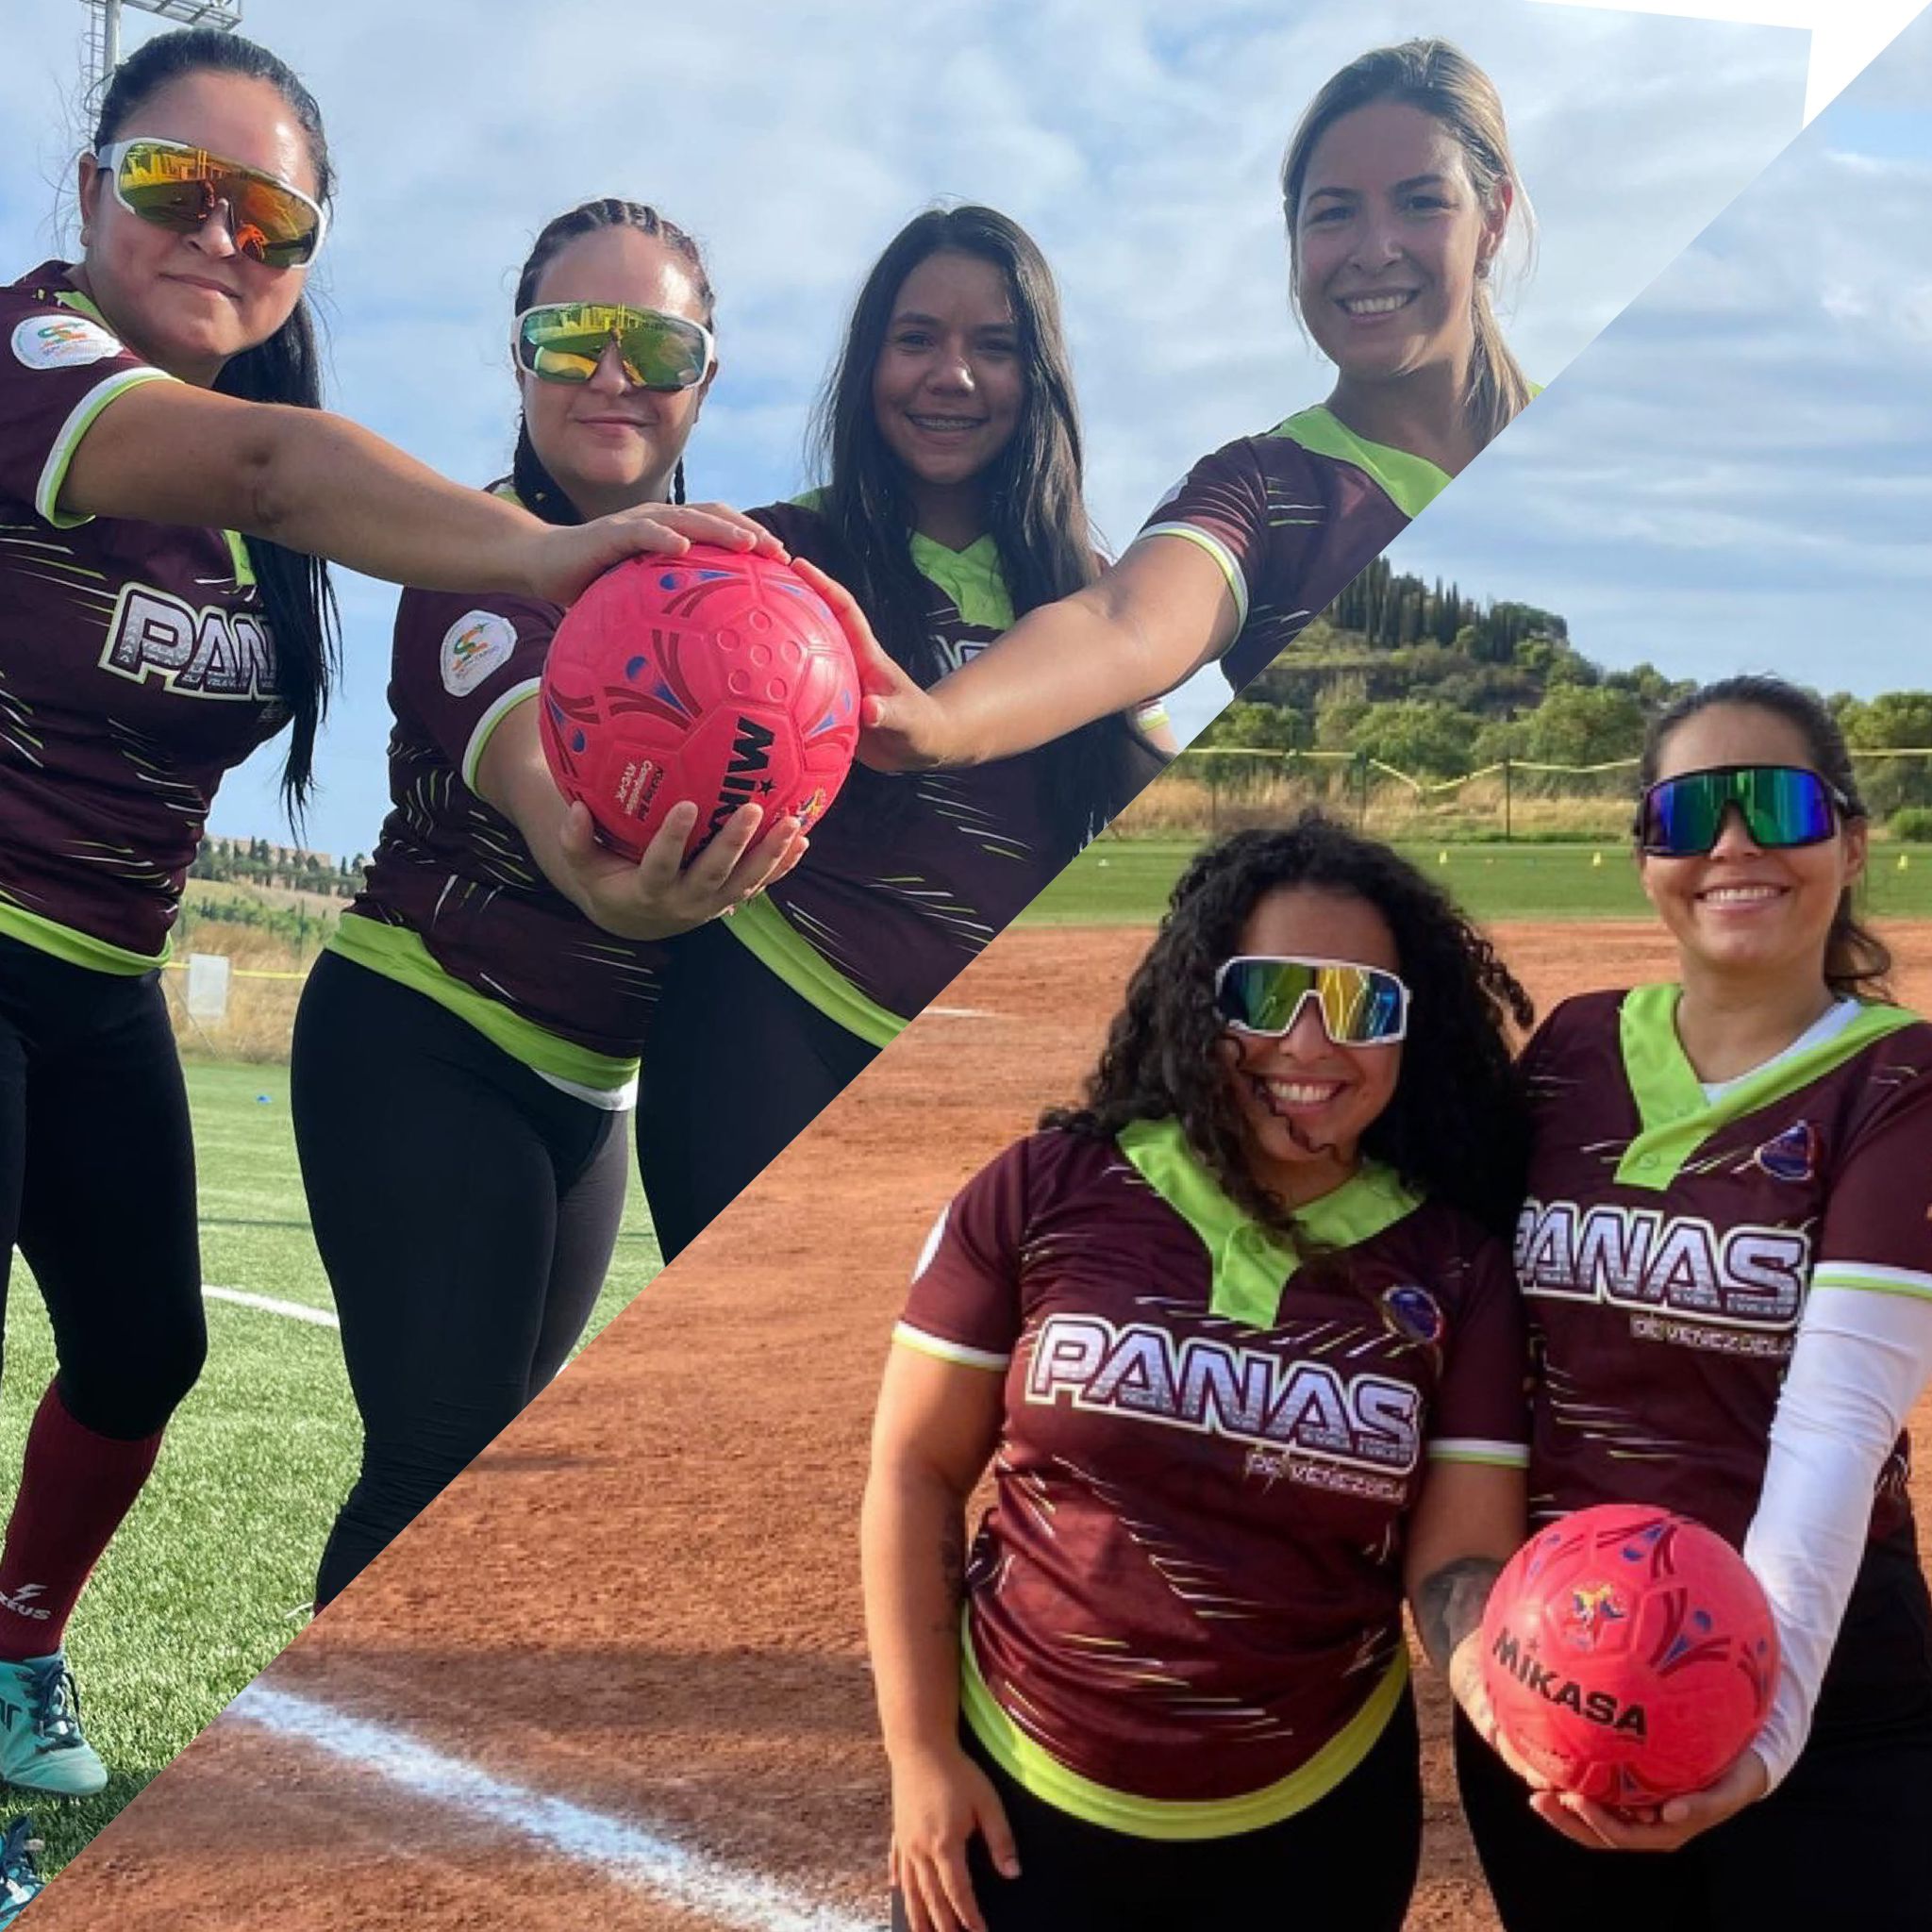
455	873
135	664
909	875
1670	1242
1188	1592
1291	518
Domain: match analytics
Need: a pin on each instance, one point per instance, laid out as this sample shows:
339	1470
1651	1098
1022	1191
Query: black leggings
97	1186
1346	1864
1846	1840
738	1066
466	1211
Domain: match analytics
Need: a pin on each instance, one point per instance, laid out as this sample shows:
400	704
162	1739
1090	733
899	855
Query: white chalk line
963	1012
295	1311
614	1849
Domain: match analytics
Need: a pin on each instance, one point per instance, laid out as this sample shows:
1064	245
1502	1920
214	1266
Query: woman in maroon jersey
1772	1105
1211	1329
491	988
953	499
167	489
1399	190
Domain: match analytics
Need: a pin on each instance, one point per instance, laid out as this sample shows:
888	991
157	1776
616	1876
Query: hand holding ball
718	675
1630	1655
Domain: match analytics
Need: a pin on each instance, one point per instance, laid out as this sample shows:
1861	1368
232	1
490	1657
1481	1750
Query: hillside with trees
1438	685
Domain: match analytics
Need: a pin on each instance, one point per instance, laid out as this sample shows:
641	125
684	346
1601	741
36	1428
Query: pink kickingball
1629	1654
717	676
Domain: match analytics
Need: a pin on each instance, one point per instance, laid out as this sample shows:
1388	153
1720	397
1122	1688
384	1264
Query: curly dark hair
1456	1128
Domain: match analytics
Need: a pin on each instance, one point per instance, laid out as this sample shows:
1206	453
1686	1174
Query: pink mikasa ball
1629	1654
717	676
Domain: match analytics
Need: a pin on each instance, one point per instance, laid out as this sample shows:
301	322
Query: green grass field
1127	881
211	1575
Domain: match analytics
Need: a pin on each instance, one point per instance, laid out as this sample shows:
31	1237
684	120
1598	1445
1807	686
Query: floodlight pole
104	38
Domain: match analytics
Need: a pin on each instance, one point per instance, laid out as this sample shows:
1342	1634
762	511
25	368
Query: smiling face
949	383
1305	1102
607	442
1389	233
1742	913
188	302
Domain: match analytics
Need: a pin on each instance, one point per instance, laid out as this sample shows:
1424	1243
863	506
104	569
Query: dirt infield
636	1621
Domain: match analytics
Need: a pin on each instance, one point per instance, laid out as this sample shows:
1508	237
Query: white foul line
614	1849
296	1311
962	1012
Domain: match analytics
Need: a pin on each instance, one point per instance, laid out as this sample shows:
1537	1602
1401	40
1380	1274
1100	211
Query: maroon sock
74	1488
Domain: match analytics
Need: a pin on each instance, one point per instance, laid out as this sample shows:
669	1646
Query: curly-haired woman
1244	1351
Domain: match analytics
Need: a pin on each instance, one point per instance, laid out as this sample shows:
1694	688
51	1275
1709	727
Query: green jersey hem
78	948
1035	1769
397	953
771	938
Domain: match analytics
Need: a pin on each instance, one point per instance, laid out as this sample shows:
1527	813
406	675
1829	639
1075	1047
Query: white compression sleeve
1861	1358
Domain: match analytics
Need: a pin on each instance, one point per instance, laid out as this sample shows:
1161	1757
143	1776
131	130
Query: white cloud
1139	147
1739	474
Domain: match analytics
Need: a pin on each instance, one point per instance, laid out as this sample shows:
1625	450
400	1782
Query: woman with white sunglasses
167	490
1240	1345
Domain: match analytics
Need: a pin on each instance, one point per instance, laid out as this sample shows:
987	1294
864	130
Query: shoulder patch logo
1413	1312
1792	1155
61	341
473	647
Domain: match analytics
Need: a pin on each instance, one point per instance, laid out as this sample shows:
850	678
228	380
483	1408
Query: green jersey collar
1251	1263
1676	1118
974	578
1411	483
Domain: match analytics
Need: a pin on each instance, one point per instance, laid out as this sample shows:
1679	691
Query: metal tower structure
104	29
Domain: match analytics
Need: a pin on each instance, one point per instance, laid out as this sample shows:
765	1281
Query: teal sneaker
41	1748
19	1875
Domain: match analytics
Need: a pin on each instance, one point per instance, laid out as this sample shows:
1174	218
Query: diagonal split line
618	1850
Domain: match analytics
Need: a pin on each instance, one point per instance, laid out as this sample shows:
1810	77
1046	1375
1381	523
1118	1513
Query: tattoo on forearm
953	1570
1449	1604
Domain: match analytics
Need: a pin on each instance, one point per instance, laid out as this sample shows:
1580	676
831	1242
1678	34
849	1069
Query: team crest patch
473	647
61	341
1792	1155
1413	1312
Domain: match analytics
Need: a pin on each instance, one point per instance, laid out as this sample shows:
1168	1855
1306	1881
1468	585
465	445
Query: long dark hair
1035	510
298	598
1456	1128
1857	962
540	491
1446	85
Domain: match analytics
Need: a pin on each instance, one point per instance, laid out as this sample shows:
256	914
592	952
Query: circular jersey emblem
1413	1312
61	341
473	647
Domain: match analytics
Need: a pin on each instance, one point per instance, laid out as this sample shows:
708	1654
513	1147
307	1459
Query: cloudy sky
1737	475
1140	151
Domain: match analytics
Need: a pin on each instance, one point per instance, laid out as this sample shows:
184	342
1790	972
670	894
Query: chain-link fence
1213	789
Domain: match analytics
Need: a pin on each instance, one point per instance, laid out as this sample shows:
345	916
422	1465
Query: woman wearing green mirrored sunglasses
492	983
1726	1256
1163	1321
